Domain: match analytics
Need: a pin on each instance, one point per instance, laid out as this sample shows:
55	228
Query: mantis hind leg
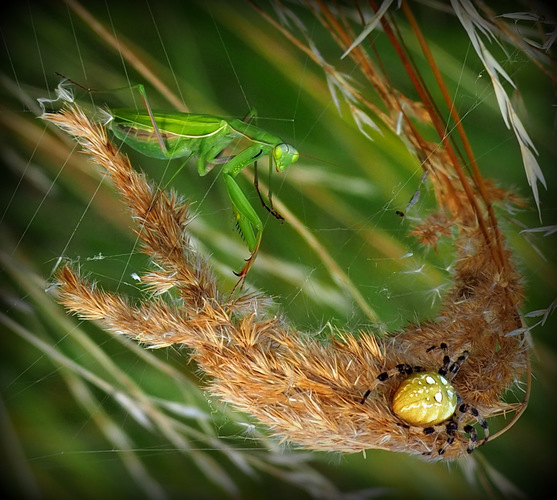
142	92
251	116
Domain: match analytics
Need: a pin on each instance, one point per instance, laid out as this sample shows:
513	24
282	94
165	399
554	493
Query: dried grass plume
308	391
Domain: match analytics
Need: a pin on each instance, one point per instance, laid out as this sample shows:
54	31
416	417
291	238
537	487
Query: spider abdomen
424	399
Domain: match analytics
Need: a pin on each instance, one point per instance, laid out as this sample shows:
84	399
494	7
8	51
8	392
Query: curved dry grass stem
308	391
434	158
478	179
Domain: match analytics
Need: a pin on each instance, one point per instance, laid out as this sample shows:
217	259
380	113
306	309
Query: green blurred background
88	415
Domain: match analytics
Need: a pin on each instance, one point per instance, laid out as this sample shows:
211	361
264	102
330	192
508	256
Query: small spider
427	399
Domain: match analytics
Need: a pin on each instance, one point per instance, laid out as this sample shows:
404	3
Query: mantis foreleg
248	221
269	207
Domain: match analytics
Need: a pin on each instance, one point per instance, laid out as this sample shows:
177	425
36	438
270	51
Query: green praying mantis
169	135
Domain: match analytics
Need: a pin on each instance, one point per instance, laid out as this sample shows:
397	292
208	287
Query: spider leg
446	359
458	424
367	393
472	442
448	369
450	428
441	346
465	409
455	367
401	369
446	366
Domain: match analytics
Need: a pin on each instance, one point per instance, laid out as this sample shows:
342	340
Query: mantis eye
284	155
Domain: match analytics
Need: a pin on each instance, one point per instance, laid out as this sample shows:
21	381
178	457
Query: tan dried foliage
306	390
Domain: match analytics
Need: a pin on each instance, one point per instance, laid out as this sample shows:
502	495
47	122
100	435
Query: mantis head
284	154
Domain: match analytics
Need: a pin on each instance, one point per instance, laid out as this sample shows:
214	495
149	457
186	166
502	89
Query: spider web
342	260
